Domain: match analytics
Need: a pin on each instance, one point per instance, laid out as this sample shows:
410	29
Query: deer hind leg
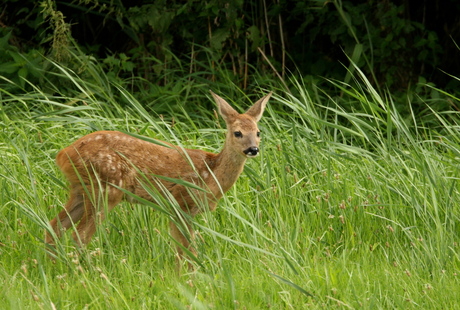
81	209
95	209
71	214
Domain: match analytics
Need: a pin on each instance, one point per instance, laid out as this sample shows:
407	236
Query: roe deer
109	163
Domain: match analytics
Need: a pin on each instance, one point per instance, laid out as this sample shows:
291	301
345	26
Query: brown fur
96	164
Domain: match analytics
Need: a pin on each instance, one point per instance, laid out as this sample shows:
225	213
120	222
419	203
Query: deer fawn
110	163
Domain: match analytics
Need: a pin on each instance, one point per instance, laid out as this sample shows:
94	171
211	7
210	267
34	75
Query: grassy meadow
350	204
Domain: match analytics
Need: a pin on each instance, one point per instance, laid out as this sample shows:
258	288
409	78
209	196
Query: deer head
243	134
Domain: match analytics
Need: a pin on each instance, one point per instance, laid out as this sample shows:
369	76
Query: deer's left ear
258	108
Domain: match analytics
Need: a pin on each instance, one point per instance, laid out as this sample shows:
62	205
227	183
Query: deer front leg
185	236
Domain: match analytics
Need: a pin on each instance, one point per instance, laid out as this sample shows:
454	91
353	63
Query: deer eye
258	133
238	134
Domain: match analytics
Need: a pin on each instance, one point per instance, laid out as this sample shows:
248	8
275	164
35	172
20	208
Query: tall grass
349	205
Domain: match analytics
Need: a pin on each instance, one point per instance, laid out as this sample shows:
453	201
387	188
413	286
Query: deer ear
225	110
258	108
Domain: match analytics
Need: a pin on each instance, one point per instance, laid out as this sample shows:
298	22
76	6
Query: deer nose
251	151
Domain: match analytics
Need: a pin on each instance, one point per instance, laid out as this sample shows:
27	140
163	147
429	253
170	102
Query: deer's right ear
225	110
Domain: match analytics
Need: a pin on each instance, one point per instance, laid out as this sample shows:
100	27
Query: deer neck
228	167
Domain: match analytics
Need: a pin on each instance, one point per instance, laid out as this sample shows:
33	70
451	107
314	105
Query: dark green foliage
159	45
18	67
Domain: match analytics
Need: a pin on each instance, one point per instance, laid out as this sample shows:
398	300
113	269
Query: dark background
395	43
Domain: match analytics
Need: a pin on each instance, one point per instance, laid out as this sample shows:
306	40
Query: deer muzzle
252	151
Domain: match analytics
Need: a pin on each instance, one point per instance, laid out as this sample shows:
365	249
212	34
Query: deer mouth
251	152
